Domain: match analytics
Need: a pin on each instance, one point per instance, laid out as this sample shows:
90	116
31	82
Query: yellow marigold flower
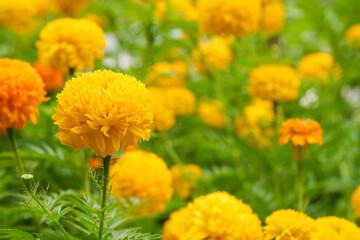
355	202
273	16
289	224
339	228
353	35
300	132
70	43
318	66
184	178
211	113
142	175
53	79
98	19
214	216
70	7
275	83
104	111
21	92
229	17
215	53
166	74
259	113
180	100
183	9
164	116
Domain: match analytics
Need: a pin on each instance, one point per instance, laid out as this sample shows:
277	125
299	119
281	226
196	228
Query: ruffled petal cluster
211	113
336	228
229	17
214	216
68	43
318	66
184	178
21	92
167	74
275	83
353	35
273	16
104	111
142	175
52	78
300	132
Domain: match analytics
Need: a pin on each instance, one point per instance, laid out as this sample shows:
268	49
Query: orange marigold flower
301	132
355	202
95	163
184	178
21	92
353	35
104	111
52	78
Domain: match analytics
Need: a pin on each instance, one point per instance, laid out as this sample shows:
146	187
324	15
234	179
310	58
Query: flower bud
27	179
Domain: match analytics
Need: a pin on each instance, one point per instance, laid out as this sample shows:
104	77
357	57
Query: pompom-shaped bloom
336	228
21	92
70	43
166	74
214	216
104	111
142	175
355	202
273	16
52	78
70	7
211	113
301	132
184	178
318	66
229	17
215	53
274	83
180	100
289	224
178	9
353	35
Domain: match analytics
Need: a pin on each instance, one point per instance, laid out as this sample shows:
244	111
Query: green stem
104	193
43	207
300	181
20	165
174	156
86	173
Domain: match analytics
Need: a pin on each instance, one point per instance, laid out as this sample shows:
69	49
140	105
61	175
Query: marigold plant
179	9
184	178
52	78
211	113
273	16
336	228
353	35
70	7
180	100
355	202
167	74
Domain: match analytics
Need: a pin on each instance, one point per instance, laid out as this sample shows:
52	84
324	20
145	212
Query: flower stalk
300	154
19	163
104	193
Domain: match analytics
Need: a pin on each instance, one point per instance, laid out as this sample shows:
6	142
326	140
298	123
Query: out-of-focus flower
184	178
104	111
166	74
53	79
214	216
319	66
70	43
211	113
142	175
275	83
353	35
215	53
355	202
301	132
180	100
273	16
179	9
70	7
336	228
229	17
21	92
95	163
99	20
289	224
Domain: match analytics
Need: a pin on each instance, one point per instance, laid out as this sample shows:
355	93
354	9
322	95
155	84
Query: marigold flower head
166	74
273	16
21	92
289	224
70	43
180	100
70	7
353	35
95	163
300	132
214	216
179	9
142	175
355	202
52	78
274	83
318	66
229	17
104	111
211	113
184	178
215	53
336	228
